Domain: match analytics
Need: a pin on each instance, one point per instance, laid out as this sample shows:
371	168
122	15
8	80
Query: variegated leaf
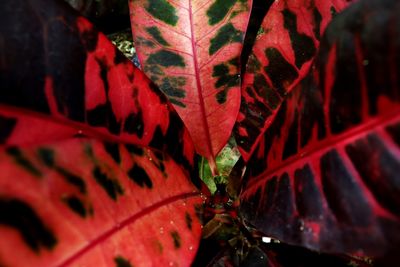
191	50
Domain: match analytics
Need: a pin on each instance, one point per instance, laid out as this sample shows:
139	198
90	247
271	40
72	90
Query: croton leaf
283	255
191	50
283	52
57	68
82	202
326	172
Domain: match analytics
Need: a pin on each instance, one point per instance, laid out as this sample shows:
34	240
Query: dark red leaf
81	202
283	255
55	66
74	189
191	50
282	55
326	172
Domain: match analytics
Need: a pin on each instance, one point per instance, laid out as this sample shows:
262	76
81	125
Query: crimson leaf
191	50
326	172
282	55
56	65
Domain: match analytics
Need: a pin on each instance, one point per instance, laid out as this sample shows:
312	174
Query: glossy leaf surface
326	173
55	65
283	52
191	50
81	202
74	190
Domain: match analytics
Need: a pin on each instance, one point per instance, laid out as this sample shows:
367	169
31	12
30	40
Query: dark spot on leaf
317	20
221	96
162	10
158	137
20	216
333	12
279	70
166	58
177	103
113	150
134	124
253	65
47	156
140	177
89	151
176	238
102	115
122	262
227	81
188	220
302	44
22	161
218	10
111	186
73	179
159	155
269	95
76	205
198	208
154	70
104	68
89	39
220	70
156	34
140	41
171	86
134	149
7	126
225	35
290	147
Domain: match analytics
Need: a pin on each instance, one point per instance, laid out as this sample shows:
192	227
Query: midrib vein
118	227
198	83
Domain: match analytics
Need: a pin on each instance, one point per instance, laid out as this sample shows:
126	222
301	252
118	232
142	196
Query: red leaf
74	190
326	173
55	66
282	55
81	202
191	49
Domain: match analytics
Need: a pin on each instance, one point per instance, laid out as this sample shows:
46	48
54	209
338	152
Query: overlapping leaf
191	50
283	255
56	65
282	55
74	190
326	173
80	202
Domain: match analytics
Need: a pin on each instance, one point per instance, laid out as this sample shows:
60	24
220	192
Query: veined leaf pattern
326	172
283	52
191	50
72	74
81	202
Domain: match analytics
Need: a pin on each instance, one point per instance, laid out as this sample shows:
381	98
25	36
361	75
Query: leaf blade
71	74
205	37
96	224
283	52
325	173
